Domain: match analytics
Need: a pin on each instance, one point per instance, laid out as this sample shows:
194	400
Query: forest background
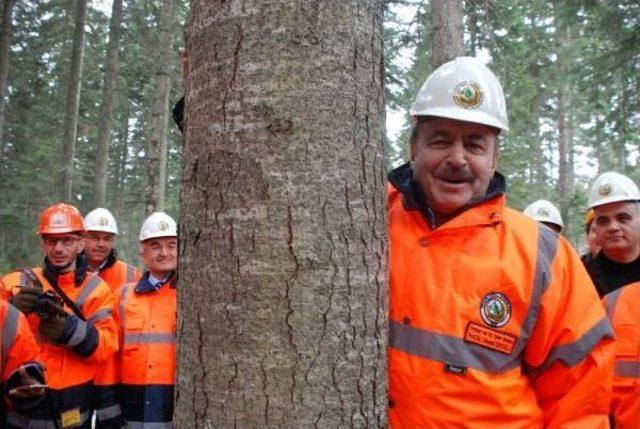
88	86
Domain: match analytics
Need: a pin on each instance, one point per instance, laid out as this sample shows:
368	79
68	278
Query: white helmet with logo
100	220
466	90
158	224
612	187
544	211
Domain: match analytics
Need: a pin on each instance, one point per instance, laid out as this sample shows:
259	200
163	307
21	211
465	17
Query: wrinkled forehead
617	208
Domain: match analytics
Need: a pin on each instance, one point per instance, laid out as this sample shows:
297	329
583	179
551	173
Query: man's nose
457	156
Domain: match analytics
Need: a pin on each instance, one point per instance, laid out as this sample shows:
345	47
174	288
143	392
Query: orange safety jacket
623	309
115	273
146	318
17	345
70	368
494	321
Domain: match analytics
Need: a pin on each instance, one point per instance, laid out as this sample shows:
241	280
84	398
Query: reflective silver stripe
9	329
572	353
454	350
546	253
131	274
23	278
148	425
123	300
109	412
151	338
627	368
79	334
90	287
100	315
610	302
21	421
445	348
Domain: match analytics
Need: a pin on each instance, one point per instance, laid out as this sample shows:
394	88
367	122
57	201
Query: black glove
52	328
26	299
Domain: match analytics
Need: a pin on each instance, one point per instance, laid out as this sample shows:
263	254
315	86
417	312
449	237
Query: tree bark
73	100
283	275
6	35
447	37
107	107
157	157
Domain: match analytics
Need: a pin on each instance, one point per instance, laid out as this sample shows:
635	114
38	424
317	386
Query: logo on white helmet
467	94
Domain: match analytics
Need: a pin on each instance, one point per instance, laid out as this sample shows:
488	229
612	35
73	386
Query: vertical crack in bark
288	282
234	75
203	368
264	390
336	386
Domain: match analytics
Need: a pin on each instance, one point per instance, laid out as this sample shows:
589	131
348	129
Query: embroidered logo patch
467	94
495	309
502	342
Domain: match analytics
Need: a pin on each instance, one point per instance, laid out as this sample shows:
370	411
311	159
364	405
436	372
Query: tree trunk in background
447	35
73	100
107	107
283	275
157	157
6	35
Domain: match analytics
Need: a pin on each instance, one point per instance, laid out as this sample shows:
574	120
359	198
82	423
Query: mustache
448	172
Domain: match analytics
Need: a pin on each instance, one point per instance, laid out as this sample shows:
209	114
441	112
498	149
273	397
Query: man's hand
52	328
27	385
26	299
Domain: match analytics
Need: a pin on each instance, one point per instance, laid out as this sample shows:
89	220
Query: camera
48	305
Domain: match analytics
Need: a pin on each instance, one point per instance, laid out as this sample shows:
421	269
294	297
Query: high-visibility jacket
623	309
115	273
70	368
17	345
494	321
146	318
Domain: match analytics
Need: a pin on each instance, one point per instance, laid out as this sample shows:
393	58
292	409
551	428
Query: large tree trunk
6	34
107	107
447	30
73	99
283	278
157	168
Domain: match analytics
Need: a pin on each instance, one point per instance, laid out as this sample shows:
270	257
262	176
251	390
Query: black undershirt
608	275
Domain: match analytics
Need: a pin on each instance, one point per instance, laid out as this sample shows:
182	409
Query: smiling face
160	255
97	246
617	227
453	161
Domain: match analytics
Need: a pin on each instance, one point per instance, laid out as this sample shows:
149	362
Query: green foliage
35	103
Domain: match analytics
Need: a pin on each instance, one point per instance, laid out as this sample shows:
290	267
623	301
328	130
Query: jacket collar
145	285
413	199
51	272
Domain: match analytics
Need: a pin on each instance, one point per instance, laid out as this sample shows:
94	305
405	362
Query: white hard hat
612	187
100	220
544	211
466	90
158	224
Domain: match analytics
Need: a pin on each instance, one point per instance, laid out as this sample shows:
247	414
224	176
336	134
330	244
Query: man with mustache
494	321
614	199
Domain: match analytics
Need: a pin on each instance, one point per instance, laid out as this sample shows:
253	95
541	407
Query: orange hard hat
60	218
591	214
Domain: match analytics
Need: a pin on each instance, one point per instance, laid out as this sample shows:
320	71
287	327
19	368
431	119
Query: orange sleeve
98	310
569	355
21	347
7	284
